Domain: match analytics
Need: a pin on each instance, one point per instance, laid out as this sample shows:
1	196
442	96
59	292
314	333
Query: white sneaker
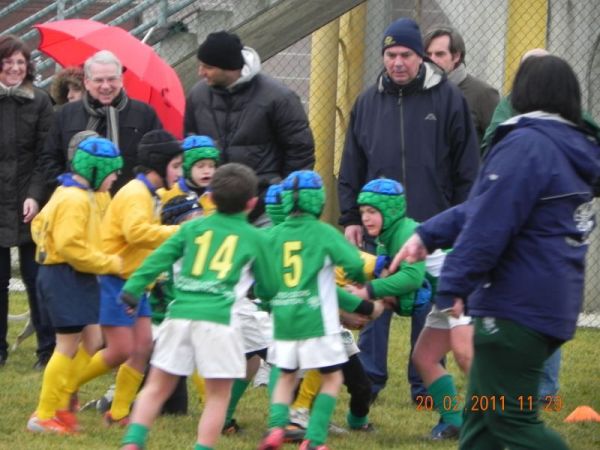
262	375
299	417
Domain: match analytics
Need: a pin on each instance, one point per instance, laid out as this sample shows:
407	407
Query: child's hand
378	308
353	321
390	302
130	302
360	292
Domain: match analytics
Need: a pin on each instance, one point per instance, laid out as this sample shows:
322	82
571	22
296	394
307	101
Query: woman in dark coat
25	116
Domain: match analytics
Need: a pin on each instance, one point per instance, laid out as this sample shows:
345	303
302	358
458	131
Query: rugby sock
309	388
320	415
53	379
237	390
199	383
356	422
273	377
279	415
80	361
128	382
443	393
136	434
202	447
96	367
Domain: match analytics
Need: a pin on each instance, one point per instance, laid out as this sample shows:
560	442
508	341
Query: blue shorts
71	297
112	310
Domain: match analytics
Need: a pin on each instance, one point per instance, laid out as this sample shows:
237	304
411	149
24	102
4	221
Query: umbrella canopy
147	77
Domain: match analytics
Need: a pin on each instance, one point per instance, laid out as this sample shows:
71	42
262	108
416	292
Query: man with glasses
104	108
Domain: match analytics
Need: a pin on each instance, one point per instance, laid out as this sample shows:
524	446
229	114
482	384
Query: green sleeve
347	301
266	274
160	260
345	255
407	279
502	113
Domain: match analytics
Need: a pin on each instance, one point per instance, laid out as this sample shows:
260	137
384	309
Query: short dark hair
547	83
457	43
232	186
10	44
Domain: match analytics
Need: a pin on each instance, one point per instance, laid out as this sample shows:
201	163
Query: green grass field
399	424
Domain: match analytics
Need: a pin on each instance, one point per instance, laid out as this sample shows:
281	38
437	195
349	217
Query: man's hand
378	308
30	209
412	251
354	234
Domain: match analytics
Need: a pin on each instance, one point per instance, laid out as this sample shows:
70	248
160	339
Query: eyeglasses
109	80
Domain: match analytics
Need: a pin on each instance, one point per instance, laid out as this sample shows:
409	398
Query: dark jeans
38	313
373	344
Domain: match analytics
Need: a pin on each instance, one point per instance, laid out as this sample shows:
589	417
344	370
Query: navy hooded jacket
421	135
522	235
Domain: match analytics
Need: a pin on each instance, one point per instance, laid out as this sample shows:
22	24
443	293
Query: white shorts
216	350
310	353
255	326
349	342
442	321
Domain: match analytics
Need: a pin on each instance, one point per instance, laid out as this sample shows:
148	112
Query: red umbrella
148	77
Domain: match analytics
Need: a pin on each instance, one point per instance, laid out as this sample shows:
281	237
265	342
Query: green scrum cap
96	158
274	204
196	148
387	196
303	191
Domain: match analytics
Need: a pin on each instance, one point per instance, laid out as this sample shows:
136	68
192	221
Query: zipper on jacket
402	149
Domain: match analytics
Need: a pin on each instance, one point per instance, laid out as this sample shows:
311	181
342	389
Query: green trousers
501	407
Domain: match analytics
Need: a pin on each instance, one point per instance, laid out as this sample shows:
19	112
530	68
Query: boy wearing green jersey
305	311
216	260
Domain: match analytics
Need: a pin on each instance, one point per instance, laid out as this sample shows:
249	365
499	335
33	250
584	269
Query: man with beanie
106	109
445	46
254	119
412	126
131	229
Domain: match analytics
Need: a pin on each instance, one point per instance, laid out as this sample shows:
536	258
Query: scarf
20	92
109	113
458	75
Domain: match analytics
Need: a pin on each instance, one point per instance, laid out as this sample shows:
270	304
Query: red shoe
109	421
68	419
131	447
52	425
306	446
273	440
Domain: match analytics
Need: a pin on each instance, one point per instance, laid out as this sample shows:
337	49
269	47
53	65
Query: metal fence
333	63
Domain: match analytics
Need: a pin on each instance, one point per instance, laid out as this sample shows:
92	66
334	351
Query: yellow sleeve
73	241
368	268
207	204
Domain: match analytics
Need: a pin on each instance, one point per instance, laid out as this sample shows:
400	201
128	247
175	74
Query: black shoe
230	428
366	428
443	431
3	359
40	365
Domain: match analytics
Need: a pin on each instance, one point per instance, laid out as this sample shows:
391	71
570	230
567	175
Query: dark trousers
373	344
501	408
359	386
39	315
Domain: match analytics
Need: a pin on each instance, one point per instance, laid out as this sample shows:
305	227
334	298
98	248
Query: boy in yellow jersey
67	233
131	229
200	159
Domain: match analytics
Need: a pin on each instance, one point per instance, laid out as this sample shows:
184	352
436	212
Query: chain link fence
334	62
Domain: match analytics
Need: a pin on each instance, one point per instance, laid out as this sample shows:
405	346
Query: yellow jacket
67	230
368	269
205	200
131	227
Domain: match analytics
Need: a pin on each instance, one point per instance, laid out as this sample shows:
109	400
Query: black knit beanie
222	50
405	32
156	150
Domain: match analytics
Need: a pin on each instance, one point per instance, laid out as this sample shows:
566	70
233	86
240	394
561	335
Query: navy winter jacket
522	235
421	135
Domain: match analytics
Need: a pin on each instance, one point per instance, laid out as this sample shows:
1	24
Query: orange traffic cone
583	414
